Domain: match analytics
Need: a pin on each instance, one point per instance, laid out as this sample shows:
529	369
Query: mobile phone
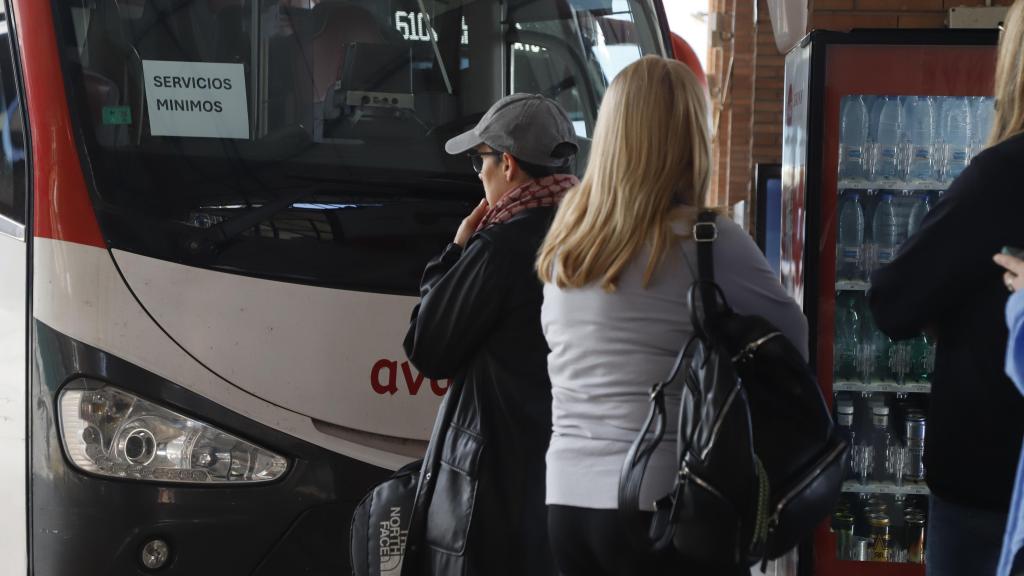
1015	252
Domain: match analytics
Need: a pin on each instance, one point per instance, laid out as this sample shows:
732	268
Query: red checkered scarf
547	191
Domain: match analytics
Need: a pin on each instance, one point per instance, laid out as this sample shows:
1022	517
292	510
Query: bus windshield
303	139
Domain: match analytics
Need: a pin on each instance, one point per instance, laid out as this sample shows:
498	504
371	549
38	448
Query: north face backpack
380	524
760	464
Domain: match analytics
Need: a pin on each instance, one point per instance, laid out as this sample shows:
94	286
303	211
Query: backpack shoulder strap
705	232
705	298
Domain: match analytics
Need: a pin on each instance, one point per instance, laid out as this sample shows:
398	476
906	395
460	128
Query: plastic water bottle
876	112
845	428
958	137
984	114
890	125
921	134
885	229
923	358
875	358
921	207
882	440
852	138
849	248
848	338
940	108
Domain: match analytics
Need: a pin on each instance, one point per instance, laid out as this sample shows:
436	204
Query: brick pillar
742	96
731	81
768	93
717	75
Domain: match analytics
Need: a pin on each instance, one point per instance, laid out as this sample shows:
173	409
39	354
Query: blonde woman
944	281
617	264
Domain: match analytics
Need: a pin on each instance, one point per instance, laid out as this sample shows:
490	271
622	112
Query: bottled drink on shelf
915	530
848	337
901	360
915	425
923	359
874	105
875	360
853	135
881	538
887	143
847	432
842	525
921	205
882	441
885	229
849	249
940	106
920	134
984	112
957	123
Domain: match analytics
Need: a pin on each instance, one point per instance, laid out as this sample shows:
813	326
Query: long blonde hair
1009	85
650	151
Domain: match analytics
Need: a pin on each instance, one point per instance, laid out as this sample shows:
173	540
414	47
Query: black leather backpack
760	464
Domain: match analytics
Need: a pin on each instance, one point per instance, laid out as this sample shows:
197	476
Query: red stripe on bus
62	208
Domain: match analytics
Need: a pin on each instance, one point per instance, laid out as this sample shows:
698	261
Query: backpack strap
709	299
705	232
658	534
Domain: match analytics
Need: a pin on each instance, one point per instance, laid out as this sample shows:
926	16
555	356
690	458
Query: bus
213	219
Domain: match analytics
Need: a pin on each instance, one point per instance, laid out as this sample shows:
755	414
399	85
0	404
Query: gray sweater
608	348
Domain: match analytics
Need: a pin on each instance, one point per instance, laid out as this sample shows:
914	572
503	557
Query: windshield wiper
437	50
206	241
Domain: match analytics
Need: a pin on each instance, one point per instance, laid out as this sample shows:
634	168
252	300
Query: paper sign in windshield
196	99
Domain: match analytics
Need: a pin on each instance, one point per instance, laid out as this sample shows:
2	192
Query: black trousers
590	542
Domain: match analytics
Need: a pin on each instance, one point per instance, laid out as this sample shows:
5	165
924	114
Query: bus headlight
110	432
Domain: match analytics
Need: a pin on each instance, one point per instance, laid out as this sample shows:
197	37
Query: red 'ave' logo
384	379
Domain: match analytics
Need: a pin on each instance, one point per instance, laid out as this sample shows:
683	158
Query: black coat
478	321
944	279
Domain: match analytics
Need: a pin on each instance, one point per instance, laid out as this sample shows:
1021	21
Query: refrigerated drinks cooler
876	125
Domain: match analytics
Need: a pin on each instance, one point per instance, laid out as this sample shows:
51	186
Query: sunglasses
477	158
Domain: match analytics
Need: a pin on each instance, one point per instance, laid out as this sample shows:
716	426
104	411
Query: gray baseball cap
531	127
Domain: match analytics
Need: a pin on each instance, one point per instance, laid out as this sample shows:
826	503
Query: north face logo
392	543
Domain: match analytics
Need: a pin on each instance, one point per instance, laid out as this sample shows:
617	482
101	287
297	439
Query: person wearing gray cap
478	321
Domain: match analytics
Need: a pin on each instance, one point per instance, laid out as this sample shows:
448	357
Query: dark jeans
589	542
962	541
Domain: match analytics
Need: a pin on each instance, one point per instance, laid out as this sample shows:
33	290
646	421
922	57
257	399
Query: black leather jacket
478	321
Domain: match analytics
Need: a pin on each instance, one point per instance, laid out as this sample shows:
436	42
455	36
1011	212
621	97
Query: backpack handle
658	535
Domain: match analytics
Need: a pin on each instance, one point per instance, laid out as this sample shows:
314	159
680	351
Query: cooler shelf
908	388
852	286
909	487
892	185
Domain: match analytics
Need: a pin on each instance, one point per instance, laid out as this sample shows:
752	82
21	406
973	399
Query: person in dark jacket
944	282
478	321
